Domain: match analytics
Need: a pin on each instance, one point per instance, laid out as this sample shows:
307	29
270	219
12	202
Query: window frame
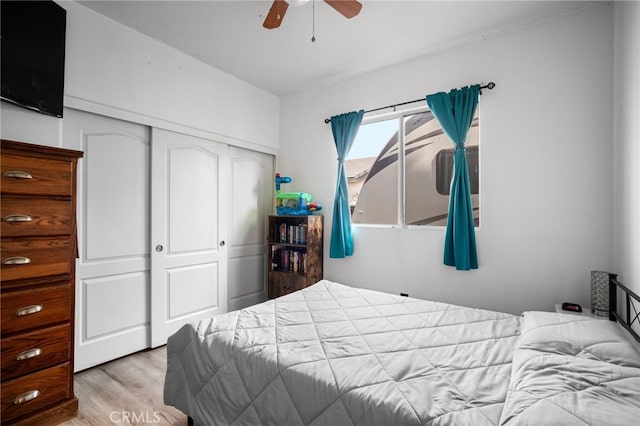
401	115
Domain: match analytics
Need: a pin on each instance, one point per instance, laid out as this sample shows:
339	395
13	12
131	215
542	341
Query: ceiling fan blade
276	14
348	8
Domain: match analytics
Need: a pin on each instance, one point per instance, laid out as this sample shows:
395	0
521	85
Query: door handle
159	248
222	243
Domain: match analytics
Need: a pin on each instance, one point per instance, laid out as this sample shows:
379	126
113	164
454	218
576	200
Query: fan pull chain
313	23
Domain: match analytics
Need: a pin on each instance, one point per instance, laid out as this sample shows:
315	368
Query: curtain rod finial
490	85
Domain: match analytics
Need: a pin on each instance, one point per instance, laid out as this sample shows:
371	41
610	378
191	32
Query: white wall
626	247
546	176
113	70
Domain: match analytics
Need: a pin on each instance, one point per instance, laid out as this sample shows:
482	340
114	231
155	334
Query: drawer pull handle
17	218
28	310
31	353
19	260
17	174
26	397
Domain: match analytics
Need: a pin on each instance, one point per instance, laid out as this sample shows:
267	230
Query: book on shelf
291	234
291	260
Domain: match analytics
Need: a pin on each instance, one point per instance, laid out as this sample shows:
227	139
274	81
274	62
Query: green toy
293	203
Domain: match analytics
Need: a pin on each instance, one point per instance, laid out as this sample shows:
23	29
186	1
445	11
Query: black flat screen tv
32	50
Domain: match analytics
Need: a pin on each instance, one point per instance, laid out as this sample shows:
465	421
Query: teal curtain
344	128
454	111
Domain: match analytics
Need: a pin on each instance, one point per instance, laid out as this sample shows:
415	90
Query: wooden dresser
37	282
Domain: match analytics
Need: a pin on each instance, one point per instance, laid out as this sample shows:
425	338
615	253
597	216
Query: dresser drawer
35	307
35	258
36	176
31	217
35	350
19	395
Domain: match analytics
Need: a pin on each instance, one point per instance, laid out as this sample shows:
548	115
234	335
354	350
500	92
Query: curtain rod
489	86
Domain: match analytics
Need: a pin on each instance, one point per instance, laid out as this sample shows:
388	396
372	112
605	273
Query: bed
335	355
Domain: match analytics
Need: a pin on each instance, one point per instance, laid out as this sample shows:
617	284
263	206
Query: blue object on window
344	128
454	111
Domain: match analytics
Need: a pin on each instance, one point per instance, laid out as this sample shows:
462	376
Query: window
399	170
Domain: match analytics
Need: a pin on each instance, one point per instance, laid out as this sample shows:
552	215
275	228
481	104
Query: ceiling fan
347	8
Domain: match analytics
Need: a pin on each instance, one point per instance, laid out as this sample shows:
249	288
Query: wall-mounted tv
32	50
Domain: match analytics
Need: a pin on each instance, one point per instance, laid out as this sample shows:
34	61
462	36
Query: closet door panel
246	273
188	229
103	293
183	283
117	196
112	273
193	207
251	203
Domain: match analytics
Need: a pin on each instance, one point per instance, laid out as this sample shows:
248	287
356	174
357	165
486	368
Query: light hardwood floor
125	391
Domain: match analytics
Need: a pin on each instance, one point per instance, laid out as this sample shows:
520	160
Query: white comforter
336	355
570	370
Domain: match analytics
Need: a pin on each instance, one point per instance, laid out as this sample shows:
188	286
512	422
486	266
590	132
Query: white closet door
112	285
251	203
189	202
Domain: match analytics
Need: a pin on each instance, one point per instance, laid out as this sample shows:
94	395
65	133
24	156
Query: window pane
429	168
372	174
372	171
444	169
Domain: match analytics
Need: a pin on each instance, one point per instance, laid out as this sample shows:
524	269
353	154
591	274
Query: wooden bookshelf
295	253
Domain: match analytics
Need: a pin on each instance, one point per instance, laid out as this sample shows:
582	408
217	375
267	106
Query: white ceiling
229	34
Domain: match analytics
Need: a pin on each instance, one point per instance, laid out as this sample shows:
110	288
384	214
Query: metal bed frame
631	302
